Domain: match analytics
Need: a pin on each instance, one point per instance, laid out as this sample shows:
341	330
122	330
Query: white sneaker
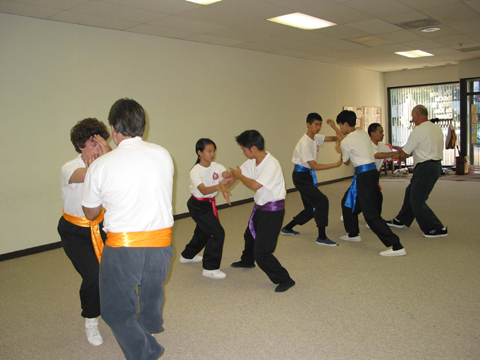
214	274
391	252
348	238
195	259
93	335
341	218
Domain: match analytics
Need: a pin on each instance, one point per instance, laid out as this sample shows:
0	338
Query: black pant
369	201
267	226
208	234
77	244
415	205
312	198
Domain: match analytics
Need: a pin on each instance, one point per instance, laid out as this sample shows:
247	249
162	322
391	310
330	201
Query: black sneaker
285	286
395	223
242	264
436	233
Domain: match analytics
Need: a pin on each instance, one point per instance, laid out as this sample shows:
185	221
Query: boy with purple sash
263	173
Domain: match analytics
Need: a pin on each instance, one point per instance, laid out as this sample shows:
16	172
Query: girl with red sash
206	179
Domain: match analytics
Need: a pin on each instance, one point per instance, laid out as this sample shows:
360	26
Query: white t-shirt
208	176
307	150
72	193
425	143
382	148
269	175
134	184
357	147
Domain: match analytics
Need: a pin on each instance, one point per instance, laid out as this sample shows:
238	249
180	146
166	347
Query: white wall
55	74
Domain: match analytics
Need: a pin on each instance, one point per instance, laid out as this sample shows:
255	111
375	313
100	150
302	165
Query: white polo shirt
208	176
425	143
357	147
269	175
307	150
72	193
134	184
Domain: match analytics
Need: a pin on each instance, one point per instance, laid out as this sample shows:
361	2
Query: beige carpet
348	303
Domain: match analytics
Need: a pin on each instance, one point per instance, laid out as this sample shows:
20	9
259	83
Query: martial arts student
133	183
425	143
83	239
363	194
263	174
315	203
206	178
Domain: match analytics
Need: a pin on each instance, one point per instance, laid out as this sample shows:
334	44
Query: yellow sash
155	238
94	230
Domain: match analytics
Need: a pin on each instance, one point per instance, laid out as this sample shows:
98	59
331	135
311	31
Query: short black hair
84	130
200	146
347	116
251	138
372	128
312	117
127	117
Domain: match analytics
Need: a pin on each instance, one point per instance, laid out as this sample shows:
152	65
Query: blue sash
352	191
300	168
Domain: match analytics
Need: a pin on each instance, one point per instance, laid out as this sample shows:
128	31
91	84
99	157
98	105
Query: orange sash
94	230
155	238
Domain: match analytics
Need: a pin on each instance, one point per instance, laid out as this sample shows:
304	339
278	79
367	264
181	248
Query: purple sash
270	206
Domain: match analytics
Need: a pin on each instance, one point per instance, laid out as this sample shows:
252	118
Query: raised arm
250	183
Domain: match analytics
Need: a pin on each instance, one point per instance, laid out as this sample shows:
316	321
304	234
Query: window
442	102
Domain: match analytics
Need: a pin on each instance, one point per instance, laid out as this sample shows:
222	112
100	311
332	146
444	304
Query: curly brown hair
84	130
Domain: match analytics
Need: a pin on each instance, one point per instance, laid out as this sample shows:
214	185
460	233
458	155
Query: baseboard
56	245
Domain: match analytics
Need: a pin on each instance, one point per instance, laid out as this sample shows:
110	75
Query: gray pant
415	205
131	297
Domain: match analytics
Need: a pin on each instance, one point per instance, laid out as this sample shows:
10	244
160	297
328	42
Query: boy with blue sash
263	174
363	195
304	158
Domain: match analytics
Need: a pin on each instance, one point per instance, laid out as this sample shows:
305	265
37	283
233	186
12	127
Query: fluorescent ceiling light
204	2
414	53
430	29
302	21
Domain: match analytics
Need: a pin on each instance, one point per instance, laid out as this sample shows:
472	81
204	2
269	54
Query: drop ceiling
367	34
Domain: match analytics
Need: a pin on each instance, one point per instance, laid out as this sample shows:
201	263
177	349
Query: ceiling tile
404	17
120	12
402	36
170	7
466	26
92	20
374	26
175	22
252	8
57	4
42	12
214	16
378	8
423	44
240	34
215	40
427	4
160	31
455	40
451	13
341	32
475	5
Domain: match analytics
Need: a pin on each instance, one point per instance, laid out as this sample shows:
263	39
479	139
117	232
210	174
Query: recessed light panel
414	53
204	2
302	21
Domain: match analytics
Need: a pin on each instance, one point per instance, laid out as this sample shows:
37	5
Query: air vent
427	22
